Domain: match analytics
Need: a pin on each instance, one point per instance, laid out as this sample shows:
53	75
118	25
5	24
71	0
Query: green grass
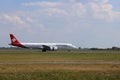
59	71
61	75
58	56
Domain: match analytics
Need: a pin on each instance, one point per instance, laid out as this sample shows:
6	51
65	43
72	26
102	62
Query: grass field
59	71
56	56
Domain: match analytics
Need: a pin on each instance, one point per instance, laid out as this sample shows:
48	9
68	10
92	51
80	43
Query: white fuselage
51	45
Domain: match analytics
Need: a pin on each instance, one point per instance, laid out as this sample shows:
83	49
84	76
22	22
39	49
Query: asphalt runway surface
85	63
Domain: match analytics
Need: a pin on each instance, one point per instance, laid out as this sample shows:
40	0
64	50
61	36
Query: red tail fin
14	41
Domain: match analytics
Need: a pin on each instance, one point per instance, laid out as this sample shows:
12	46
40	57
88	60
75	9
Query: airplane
42	46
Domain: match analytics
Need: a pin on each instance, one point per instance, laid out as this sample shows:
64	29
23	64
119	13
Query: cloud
29	20
99	1
42	4
12	19
66	15
54	11
78	9
101	9
60	13
59	8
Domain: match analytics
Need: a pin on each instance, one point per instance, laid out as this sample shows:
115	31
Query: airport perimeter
24	64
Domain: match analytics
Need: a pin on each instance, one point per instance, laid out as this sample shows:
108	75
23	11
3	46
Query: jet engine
49	48
53	48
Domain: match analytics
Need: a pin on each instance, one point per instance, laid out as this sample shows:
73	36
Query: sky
84	23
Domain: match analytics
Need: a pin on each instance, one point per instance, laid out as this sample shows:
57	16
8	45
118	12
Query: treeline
112	48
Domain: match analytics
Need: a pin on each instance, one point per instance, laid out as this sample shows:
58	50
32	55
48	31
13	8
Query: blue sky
84	23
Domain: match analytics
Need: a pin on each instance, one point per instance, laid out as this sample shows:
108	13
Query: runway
79	63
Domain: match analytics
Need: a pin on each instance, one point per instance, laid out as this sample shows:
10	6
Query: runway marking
87	63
